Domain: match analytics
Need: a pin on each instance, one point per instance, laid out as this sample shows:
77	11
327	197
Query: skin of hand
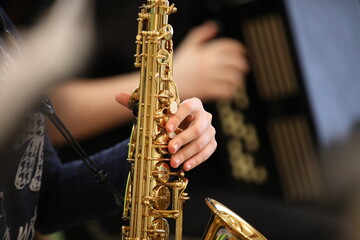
196	142
201	60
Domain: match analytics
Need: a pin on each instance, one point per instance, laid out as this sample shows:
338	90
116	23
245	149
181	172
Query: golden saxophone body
154	191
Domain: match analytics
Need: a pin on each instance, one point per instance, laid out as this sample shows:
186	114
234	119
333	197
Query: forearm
88	107
70	195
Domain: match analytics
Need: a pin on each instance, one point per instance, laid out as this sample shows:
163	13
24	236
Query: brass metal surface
226	225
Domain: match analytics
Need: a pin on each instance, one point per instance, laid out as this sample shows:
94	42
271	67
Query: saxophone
154	190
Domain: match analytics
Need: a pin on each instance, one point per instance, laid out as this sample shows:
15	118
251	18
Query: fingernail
187	167
176	162
176	147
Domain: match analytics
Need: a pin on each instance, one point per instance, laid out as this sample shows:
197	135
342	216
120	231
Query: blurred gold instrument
154	190
226	225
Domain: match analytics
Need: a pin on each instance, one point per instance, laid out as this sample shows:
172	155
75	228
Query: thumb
202	33
123	99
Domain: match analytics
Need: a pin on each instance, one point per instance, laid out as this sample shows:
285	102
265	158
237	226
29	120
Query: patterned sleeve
69	193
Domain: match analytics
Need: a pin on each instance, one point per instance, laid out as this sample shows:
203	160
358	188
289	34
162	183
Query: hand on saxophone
209	68
197	142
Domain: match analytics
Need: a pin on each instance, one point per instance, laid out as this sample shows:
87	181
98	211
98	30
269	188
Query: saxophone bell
226	225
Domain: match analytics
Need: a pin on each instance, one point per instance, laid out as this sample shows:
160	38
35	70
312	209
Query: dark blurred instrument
269	129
